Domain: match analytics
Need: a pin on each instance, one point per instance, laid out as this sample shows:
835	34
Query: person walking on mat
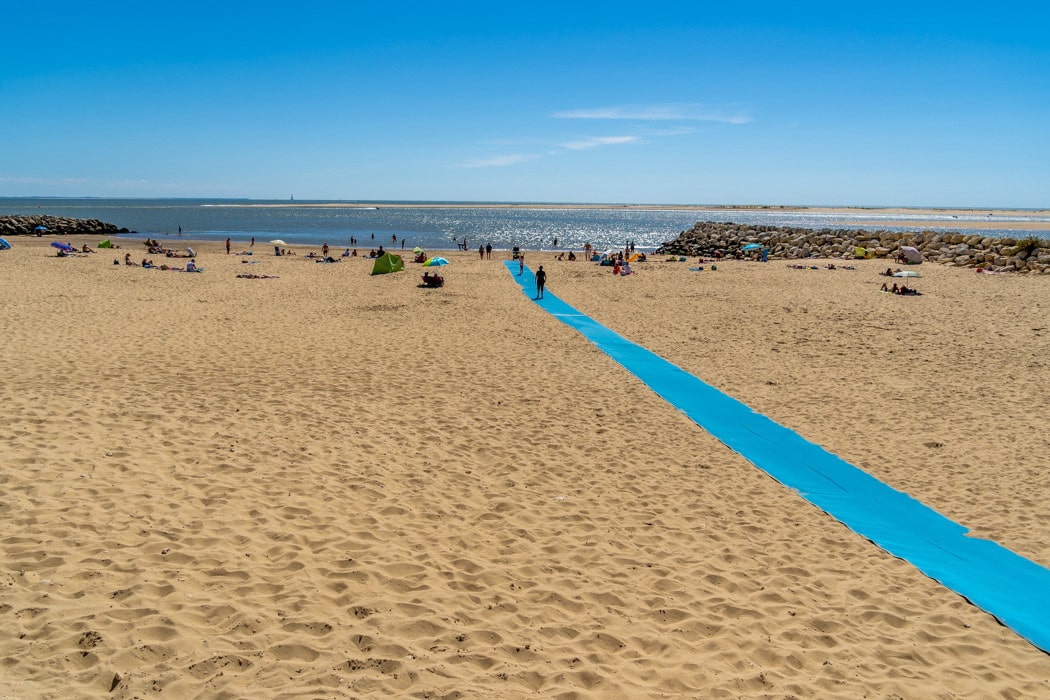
541	280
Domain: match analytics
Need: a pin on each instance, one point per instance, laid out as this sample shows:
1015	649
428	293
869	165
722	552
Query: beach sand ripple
337	484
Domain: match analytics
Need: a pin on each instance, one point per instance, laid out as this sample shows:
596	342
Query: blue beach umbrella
435	262
41	228
752	246
61	246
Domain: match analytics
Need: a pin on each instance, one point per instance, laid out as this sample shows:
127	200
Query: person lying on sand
258	277
902	290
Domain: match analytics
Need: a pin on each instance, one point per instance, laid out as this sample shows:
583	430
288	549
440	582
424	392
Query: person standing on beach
227	245
541	280
521	264
324	250
252	245
488	251
481	252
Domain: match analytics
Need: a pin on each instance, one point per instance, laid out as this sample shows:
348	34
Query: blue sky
926	104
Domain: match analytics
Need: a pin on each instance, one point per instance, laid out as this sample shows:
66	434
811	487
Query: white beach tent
911	254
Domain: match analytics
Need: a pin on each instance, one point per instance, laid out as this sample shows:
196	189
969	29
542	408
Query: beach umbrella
752	246
417	250
911	254
41	228
435	262
61	246
278	241
4	245
907	273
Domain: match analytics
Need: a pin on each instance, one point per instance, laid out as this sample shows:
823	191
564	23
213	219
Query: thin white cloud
676	131
584	144
598	142
661	112
498	161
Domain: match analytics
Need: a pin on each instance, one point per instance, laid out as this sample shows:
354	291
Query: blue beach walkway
1015	590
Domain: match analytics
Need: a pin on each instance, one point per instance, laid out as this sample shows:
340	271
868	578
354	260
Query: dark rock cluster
709	238
56	226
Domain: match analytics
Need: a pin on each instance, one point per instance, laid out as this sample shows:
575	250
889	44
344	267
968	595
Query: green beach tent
105	244
387	262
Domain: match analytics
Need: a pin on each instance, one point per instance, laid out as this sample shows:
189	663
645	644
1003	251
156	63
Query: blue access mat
1015	590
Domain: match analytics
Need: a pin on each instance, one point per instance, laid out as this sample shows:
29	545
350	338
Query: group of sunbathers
902	289
155	248
432	280
191	264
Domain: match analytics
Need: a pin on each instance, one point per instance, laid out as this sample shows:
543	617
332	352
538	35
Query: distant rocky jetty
56	226
789	243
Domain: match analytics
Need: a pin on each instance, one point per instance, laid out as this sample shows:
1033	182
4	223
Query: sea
441	226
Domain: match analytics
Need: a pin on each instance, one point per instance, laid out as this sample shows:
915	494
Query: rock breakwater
709	238
55	226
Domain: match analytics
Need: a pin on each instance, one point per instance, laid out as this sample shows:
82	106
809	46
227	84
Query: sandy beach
333	484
